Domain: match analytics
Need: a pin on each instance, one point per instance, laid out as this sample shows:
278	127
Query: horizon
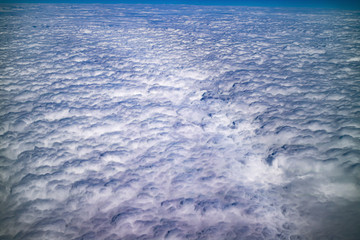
326	4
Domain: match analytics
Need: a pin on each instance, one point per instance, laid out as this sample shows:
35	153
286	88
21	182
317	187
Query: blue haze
335	4
179	122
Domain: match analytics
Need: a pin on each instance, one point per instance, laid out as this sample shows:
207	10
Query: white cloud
144	122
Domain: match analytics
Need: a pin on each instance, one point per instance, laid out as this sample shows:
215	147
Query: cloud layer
178	122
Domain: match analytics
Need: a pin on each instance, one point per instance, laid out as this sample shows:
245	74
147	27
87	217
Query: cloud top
163	122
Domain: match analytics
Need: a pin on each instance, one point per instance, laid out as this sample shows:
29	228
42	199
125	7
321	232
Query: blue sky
345	4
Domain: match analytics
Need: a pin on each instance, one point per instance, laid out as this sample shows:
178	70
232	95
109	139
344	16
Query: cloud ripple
178	122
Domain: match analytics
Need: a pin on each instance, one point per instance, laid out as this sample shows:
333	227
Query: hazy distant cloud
139	122
327	4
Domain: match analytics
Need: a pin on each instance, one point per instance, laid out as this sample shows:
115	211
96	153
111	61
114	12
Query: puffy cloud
156	122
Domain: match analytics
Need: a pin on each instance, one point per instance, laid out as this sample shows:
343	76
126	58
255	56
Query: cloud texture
179	122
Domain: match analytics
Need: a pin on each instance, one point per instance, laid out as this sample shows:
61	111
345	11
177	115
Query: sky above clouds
345	4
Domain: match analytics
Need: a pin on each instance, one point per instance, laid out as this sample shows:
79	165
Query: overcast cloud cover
179	122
